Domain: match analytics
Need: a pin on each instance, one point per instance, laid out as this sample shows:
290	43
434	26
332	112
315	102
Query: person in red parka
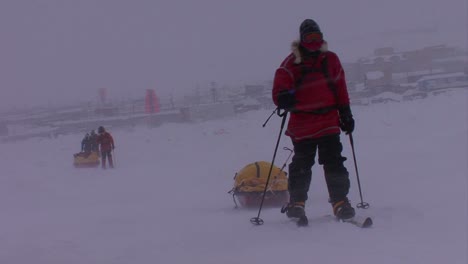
310	84
106	145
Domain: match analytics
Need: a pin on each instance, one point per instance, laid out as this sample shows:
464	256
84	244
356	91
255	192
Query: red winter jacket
105	141
315	114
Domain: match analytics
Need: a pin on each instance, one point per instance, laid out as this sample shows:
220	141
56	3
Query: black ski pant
104	155
329	155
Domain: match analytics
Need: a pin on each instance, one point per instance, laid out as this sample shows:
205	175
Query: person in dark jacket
93	140
86	145
106	146
310	84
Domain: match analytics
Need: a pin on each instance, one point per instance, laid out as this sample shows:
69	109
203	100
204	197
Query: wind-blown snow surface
167	201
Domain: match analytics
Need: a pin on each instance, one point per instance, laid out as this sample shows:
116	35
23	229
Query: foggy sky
64	50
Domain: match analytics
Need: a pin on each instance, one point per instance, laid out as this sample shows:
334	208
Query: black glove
346	119
286	99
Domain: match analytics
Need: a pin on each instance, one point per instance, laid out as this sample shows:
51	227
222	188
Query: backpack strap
304	70
330	82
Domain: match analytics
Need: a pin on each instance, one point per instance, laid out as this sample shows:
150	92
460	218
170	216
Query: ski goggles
312	37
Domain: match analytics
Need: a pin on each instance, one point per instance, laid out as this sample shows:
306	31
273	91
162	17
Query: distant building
443	81
254	90
388	70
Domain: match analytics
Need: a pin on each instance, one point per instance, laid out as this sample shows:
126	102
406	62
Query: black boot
343	209
294	210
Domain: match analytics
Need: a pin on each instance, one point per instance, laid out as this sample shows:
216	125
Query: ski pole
257	220
268	119
362	204
286	161
290	153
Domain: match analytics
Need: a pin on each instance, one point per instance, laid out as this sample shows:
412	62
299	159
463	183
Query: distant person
93	141
86	144
310	84
106	145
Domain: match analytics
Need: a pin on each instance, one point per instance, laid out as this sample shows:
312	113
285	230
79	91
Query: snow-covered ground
167	201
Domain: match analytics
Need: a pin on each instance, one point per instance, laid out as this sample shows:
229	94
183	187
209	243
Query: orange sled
249	185
86	160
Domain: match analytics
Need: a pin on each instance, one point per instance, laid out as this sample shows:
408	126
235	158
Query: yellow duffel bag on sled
249	185
86	159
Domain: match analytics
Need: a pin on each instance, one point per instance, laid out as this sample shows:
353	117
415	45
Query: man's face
312	41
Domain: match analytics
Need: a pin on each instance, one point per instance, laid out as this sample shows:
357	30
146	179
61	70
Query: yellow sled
249	184
86	160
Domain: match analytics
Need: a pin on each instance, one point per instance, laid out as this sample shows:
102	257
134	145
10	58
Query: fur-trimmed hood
297	53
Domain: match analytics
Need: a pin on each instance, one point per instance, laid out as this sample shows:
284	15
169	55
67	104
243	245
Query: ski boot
343	209
296	211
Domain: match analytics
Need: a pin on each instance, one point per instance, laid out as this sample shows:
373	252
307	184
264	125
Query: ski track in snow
167	201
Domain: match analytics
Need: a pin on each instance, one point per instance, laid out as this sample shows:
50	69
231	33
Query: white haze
167	201
56	51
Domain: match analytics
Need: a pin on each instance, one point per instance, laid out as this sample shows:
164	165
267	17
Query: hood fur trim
297	53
